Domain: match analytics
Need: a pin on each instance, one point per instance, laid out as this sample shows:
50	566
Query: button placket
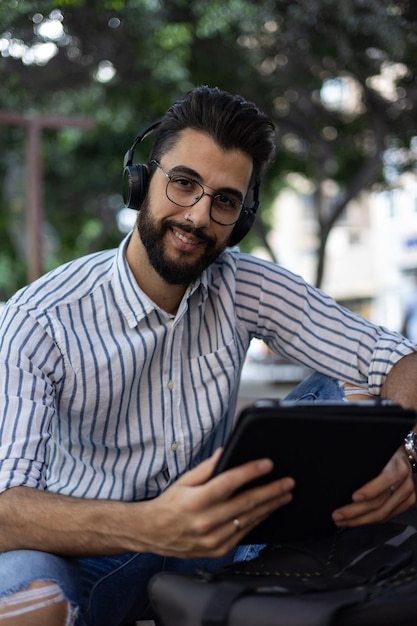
174	431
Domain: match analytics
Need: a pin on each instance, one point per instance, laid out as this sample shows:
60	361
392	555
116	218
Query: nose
199	213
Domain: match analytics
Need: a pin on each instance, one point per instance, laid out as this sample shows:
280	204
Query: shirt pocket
213	382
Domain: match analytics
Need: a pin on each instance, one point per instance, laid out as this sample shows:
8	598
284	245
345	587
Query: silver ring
392	488
236	524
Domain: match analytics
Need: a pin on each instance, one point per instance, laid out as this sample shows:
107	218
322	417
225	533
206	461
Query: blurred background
81	78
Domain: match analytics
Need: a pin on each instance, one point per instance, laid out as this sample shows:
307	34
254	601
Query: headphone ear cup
242	227
135	185
136	177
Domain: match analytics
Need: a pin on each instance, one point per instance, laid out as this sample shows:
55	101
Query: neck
163	294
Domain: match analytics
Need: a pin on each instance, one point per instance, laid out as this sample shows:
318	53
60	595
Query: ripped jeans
112	590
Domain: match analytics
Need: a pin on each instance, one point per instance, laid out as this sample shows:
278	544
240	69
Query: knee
42	602
316	387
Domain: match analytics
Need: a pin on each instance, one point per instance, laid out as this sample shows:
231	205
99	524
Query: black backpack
363	576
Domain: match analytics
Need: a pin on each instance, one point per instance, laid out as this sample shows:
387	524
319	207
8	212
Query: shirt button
170	385
174	446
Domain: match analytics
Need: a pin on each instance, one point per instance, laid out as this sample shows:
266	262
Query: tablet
329	449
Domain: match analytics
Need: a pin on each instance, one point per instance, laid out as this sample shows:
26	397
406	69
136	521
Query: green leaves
284	55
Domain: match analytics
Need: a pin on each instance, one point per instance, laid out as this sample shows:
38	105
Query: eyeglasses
186	192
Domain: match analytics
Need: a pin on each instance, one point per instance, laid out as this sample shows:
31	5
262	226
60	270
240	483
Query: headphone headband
128	160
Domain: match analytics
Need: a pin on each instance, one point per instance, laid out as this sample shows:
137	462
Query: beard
180	271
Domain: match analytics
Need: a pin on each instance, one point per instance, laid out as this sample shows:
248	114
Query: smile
187	239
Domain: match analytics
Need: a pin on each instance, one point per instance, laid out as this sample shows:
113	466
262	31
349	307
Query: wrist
410	447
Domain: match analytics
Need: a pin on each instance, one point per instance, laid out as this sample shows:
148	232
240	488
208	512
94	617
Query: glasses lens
184	191
225	210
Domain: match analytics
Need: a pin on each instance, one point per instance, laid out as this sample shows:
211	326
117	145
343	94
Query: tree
364	50
285	55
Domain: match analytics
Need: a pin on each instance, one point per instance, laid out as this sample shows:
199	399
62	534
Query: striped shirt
105	395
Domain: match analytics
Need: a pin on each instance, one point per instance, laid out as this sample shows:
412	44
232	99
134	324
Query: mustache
187	228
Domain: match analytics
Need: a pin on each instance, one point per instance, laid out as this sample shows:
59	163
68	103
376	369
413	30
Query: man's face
182	241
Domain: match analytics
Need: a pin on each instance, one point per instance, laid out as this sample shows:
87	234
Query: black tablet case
329	449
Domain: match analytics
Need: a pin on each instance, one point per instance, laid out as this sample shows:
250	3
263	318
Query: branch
367	175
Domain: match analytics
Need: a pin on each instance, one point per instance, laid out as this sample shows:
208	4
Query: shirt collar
133	302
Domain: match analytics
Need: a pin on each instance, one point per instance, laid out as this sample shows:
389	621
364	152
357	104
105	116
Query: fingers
227	524
196	516
222	504
388	495
252	506
225	485
229	482
374	511
202	472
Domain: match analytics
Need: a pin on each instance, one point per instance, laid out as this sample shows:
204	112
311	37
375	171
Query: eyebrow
188	171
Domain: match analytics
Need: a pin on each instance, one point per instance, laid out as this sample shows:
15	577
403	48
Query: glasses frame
196	200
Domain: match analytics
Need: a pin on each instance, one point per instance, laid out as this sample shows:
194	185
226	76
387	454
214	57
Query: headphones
136	181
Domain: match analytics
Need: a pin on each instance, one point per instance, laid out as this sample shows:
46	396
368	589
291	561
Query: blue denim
103	591
316	387
112	590
21	567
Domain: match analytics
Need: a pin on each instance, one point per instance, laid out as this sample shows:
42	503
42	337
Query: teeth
184	238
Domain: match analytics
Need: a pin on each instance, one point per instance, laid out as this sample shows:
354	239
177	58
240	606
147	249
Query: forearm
401	383
40	520
193	518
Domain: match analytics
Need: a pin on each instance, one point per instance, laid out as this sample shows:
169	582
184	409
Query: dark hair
232	121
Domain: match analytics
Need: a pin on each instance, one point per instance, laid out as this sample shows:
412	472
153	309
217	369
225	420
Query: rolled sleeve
27	403
388	350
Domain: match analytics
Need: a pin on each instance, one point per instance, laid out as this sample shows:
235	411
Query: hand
388	495
195	516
